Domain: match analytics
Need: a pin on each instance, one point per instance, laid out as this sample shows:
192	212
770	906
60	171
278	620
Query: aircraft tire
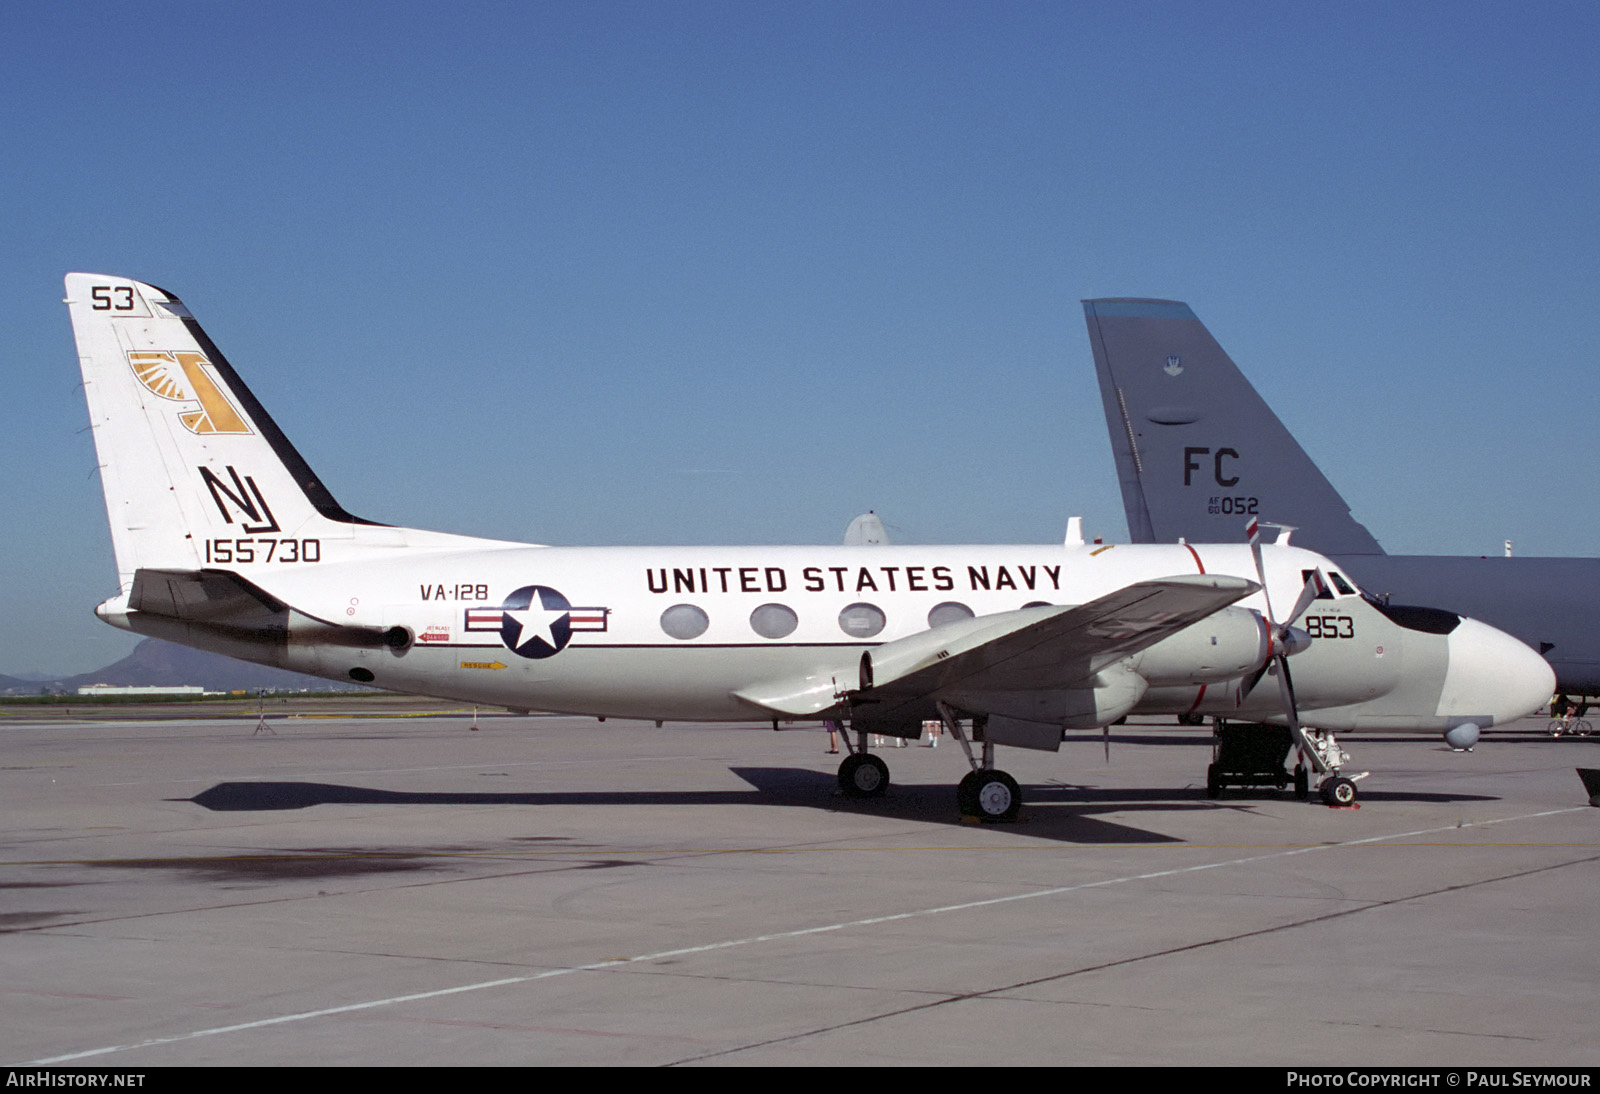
989	796
1213	782
863	775
1302	782
1339	791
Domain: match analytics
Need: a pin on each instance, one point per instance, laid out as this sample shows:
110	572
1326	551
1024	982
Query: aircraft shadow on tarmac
769	786
1062	812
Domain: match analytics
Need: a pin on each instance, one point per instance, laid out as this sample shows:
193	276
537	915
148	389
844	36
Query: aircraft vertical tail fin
1197	449
188	458
867	530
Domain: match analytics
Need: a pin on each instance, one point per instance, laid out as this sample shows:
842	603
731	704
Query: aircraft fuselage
689	633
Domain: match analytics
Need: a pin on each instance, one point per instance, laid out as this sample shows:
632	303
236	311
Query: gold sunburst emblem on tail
182	376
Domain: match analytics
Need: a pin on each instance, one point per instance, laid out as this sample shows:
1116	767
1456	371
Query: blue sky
735	272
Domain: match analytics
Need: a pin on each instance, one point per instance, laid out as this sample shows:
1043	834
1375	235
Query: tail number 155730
242	551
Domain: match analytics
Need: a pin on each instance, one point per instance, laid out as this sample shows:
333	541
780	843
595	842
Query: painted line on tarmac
645	853
777	936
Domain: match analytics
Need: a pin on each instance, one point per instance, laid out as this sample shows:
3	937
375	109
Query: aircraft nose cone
1491	677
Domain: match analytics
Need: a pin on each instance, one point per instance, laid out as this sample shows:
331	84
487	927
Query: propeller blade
1280	635
1253	531
1314	588
1250	685
1286	689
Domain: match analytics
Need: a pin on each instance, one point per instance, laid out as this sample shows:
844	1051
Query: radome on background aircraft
225	540
1196	447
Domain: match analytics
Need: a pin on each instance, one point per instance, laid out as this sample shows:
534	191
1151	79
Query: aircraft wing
1066	647
1047	648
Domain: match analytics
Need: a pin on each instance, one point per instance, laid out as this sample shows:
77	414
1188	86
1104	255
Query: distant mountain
155	662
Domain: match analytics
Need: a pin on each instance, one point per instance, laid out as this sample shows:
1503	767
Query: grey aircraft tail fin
1198	451
867	530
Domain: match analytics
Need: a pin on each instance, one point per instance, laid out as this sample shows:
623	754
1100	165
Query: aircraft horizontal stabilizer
230	607
201	596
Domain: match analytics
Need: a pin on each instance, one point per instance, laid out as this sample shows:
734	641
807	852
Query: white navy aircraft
225	540
1197	450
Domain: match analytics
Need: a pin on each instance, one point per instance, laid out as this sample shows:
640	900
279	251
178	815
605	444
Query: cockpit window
1340	583
1323	592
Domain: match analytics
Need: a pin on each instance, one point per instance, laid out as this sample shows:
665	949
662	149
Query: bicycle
1567	723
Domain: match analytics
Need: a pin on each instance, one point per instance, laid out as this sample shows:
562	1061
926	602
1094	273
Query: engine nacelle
1110	695
1225	645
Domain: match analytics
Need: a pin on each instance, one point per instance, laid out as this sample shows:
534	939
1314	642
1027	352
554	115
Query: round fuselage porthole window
774	621
684	621
948	612
862	620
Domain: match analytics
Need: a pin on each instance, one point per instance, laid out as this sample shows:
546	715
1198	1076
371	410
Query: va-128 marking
453	592
1004	645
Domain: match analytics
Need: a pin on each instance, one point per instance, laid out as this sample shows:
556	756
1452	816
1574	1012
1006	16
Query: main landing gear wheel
863	775
989	795
1302	782
1339	791
1213	782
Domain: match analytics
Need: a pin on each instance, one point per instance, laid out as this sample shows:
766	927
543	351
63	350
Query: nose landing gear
1253	754
1321	748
